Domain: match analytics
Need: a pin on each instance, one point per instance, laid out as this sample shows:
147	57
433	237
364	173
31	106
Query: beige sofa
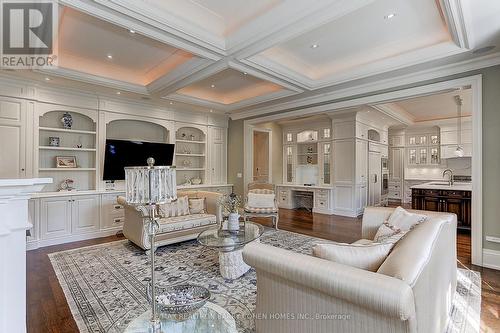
411	292
172	229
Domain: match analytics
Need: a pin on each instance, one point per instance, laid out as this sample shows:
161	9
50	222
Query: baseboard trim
491	259
36	244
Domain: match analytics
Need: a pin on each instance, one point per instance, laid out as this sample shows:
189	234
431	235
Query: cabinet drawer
394	194
320	203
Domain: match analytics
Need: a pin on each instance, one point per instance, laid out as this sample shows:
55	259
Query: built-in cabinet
32	135
13	128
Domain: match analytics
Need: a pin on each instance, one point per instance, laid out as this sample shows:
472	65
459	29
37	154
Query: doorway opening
261	158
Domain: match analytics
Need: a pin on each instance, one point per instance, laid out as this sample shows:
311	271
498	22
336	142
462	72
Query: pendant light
459	152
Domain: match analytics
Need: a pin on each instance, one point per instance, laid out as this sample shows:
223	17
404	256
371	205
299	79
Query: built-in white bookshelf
190	154
79	142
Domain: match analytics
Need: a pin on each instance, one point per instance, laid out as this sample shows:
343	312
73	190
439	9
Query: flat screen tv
122	153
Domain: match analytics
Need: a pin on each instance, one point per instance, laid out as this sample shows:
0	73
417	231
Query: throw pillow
180	207
387	233
196	205
260	200
404	220
368	257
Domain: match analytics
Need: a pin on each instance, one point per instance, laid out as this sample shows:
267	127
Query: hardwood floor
48	310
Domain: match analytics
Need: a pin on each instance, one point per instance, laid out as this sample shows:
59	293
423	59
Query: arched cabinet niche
191	154
68	154
130	127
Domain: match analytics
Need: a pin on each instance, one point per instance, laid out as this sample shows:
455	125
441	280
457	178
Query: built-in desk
322	197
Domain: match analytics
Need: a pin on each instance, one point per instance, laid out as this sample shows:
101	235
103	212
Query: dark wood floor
48	311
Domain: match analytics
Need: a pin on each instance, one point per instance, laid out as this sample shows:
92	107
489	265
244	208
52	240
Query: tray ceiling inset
386	33
229	86
96	47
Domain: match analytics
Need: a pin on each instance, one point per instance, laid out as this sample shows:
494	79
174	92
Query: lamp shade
150	184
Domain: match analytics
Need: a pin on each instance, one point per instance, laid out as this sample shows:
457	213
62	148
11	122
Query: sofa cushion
364	256
404	220
197	206
184	222
180	207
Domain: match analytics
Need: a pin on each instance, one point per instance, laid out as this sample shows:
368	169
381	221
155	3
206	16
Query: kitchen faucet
450	181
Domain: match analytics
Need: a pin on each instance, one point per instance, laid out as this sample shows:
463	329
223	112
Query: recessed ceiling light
211	110
110	56
118	93
171	103
213	86
245	73
131	31
314	46
47	79
390	16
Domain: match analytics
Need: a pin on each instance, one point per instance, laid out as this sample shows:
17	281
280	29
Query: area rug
105	284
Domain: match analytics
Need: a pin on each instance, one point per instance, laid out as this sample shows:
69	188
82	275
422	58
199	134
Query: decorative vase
233	222
67	120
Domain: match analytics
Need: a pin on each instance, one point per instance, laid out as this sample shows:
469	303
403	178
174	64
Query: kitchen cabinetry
450	201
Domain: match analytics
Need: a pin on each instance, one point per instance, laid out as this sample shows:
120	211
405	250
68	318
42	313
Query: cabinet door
432	204
396	164
85	214
325	162
55	217
12	138
289	159
452	205
361	161
217	155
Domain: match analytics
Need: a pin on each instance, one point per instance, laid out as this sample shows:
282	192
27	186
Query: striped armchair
272	212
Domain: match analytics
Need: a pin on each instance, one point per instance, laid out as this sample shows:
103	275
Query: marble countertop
442	185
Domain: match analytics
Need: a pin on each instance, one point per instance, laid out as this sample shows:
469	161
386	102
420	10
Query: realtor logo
28	34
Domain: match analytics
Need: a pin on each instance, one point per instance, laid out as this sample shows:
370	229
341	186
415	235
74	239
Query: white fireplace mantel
14	195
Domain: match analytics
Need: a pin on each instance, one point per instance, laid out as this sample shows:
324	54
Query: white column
14	195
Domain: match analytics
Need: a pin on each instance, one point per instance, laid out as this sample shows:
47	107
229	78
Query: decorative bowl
179	302
196	181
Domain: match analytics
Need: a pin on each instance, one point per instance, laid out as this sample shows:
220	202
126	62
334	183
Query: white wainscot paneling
343	198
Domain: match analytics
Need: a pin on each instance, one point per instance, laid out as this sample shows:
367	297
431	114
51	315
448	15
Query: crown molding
389	83
395	112
458	24
94	79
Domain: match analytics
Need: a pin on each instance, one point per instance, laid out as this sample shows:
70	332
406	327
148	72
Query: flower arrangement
230	204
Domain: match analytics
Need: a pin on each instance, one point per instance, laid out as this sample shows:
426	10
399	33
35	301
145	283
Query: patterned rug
105	284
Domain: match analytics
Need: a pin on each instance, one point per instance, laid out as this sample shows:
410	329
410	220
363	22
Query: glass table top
210	318
226	241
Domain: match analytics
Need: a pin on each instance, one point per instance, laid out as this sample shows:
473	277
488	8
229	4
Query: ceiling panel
85	43
362	38
220	17
440	106
230	86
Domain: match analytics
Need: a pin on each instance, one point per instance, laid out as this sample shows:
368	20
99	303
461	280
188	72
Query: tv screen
121	153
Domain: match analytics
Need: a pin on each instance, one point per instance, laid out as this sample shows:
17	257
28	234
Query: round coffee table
210	318
230	246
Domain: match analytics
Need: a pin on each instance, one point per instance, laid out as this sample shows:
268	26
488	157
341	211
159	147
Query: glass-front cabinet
307	156
326	163
289	163
423	149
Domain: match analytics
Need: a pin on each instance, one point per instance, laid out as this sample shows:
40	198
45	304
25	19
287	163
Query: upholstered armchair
260	204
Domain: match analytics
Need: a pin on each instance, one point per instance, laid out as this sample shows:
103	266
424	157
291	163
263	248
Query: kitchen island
443	197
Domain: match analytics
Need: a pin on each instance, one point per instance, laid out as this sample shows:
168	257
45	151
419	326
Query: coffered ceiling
247	58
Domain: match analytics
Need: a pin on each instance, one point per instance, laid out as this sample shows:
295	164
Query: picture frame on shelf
66	162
